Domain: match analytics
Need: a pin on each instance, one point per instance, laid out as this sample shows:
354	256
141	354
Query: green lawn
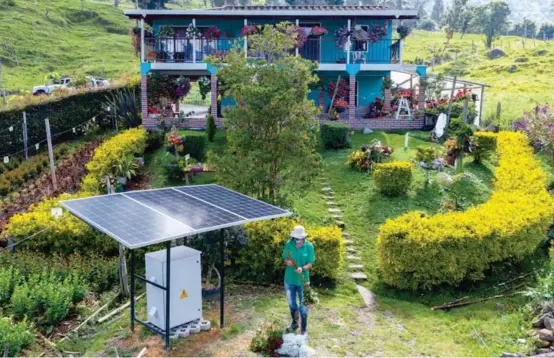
401	325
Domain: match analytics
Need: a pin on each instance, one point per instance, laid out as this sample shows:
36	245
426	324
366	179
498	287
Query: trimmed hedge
394	178
63	114
485	145
195	145
130	142
334	135
66	236
260	260
418	251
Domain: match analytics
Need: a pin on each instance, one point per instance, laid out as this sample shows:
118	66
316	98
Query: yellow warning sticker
184	294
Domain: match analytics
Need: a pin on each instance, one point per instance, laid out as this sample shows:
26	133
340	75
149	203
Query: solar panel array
142	218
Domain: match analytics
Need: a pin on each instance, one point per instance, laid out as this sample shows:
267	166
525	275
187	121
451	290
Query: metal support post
222	291
297	24
245	41
132	290
194	43
51	154
25	136
167	293
348	44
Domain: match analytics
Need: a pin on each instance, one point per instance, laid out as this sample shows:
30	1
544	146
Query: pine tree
438	10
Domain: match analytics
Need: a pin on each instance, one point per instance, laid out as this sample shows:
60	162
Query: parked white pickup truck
47	89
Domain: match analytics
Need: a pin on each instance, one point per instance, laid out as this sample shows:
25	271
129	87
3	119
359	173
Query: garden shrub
334	135
63	114
419	251
195	145
485	145
65	237
17	335
130	142
210	127
260	260
393	178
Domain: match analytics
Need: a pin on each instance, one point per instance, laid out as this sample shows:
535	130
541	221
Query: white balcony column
141	40
348	44
245	40
297	24
400	50
194	43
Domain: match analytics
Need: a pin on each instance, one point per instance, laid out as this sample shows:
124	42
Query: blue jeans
292	291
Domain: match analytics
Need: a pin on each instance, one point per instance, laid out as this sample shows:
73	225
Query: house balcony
183	53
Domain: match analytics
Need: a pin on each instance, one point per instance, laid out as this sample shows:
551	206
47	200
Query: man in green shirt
299	257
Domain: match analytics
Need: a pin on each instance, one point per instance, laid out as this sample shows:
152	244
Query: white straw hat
299	232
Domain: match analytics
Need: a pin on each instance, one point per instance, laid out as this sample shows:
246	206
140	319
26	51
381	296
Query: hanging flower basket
319	31
192	32
212	33
301	37
341	36
403	31
376	33
248	30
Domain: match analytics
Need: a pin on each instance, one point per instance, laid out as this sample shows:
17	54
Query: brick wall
191	123
147	122
213	95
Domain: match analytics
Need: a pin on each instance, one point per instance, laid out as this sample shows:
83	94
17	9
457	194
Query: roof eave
398	14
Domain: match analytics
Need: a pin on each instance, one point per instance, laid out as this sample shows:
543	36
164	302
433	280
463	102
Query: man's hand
288	263
299	270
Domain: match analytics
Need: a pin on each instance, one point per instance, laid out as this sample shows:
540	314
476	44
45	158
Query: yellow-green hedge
260	260
485	145
131	142
67	235
393	178
417	251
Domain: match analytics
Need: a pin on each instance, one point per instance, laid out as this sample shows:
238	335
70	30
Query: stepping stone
331	203
328	197
348	242
325	184
336	217
358	276
351	249
367	296
340	224
356	267
333	210
353	258
345	234
327	189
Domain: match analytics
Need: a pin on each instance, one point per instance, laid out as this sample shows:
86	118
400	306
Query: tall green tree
438	10
152	4
491	20
272	130
459	16
528	28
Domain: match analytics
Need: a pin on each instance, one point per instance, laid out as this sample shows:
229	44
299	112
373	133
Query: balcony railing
325	51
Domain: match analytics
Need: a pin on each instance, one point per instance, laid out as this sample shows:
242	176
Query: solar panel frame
244	220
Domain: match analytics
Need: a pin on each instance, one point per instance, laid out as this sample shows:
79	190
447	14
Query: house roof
283	12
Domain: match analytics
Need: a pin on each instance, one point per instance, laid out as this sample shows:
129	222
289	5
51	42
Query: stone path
336	216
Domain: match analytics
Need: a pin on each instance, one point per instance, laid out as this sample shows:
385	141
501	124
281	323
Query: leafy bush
260	260
427	154
393	178
457	110
130	142
335	135
155	140
99	272
210	127
65	236
485	145
17	335
63	114
537	124
418	251
267	340
124	107
46	297
195	145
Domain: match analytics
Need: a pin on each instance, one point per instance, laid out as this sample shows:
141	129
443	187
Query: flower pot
122	180
340	110
140	161
450	159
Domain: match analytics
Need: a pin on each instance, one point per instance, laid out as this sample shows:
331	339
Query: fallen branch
46	340
517	278
119	309
142	352
88	319
467	303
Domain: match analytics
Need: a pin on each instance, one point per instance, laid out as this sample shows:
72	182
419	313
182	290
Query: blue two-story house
361	62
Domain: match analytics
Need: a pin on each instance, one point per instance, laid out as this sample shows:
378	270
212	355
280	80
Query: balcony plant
318	31
192	32
341	36
248	30
301	37
212	33
340	105
166	31
376	33
403	31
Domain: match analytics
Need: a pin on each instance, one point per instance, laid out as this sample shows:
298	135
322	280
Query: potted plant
333	115
212	33
166	31
341	36
124	169
192	32
318	31
340	105
451	146
403	31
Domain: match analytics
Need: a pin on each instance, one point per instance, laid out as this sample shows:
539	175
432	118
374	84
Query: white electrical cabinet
185	294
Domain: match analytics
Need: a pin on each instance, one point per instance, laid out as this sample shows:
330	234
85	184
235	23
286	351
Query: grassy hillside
94	41
531	83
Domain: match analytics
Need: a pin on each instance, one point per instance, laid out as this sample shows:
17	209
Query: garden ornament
439	127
